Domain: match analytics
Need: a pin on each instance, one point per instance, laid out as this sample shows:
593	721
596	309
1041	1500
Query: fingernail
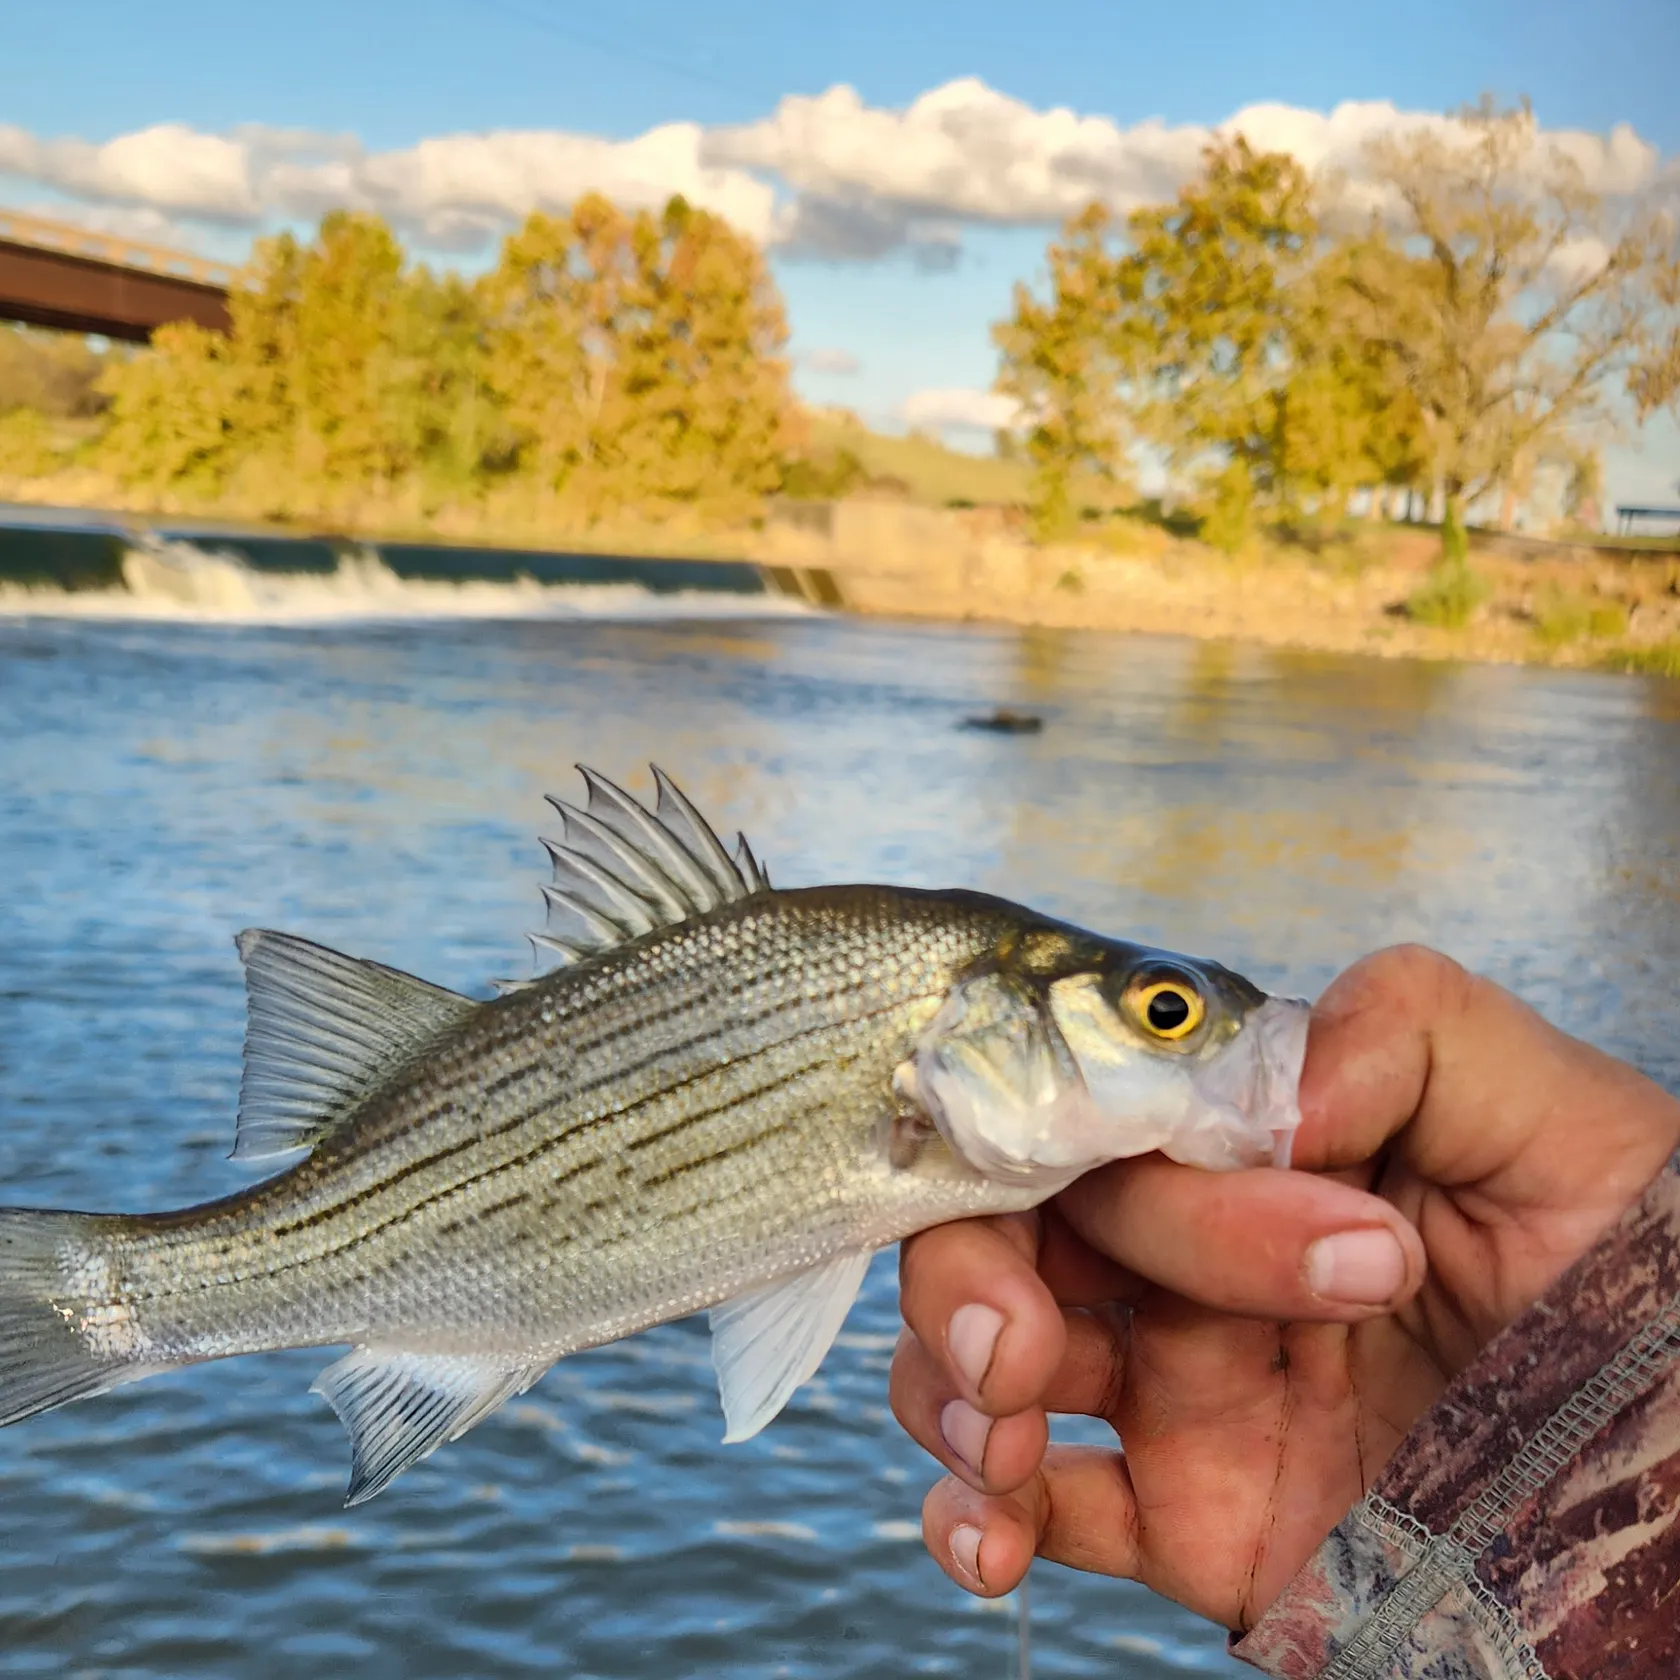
965	1431
972	1335
965	1551
1357	1268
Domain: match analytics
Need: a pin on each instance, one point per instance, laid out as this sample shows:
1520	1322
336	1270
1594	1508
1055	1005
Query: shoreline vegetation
1313	376
1364	588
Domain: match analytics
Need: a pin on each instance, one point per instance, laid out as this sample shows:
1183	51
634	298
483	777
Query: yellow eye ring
1167	1009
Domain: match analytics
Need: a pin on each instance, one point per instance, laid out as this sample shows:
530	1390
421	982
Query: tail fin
64	1334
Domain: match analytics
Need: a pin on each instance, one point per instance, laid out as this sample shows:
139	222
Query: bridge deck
57	276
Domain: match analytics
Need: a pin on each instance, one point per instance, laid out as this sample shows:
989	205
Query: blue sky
907	292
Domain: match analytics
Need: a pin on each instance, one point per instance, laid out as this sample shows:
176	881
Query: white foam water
172	579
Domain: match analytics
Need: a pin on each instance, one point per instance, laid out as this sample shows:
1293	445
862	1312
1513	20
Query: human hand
1262	1341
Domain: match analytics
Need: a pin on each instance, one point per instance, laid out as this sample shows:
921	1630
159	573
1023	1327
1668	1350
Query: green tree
1348	420
1058	360
332	382
707	412
1209	301
612	360
171	412
356	376
638	360
552	308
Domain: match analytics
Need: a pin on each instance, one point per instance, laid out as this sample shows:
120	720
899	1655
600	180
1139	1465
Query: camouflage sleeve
1529	1527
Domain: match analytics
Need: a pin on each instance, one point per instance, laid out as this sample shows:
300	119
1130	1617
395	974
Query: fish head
1062	1051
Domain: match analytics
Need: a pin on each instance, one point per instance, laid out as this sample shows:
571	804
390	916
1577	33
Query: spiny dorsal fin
322	1031
621	870
397	1406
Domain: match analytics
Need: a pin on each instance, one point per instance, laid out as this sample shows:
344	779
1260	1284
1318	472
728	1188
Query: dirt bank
1584	608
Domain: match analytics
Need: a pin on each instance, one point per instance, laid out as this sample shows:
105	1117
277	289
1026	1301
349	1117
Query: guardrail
48	235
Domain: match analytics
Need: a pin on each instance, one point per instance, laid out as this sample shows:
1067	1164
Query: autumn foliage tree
1211	329
1059	361
609	361
1654	381
1478	327
1508	299
1209	308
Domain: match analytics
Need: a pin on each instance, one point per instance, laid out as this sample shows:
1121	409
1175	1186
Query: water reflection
379	789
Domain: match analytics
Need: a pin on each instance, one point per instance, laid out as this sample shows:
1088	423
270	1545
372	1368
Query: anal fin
398	1407
764	1345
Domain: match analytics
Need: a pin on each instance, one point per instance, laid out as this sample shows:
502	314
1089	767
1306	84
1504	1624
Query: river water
375	784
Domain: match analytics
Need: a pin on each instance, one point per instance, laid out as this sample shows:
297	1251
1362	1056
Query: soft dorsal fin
621	870
764	1345
322	1031
397	1407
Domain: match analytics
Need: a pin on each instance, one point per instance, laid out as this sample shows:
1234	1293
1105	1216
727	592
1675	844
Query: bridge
1628	517
54	275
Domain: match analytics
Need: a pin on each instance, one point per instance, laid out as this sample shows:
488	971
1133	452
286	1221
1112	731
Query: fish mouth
1253	1090
1020	1105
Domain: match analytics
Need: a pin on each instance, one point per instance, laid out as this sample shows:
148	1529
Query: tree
357	376
1217	328
551	307
1348	420
1209	299
705	409
51	373
171	412
344	372
1503	293
1654	383
638	359
1058	360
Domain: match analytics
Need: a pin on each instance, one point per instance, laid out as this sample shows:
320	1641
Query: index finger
972	1294
1486	1092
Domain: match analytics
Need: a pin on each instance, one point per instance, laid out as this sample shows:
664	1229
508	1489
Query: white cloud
452	189
960	151
489	180
867	178
824	175
831	361
167	168
960	408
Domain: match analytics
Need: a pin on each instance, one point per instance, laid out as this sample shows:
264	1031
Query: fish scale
727	1097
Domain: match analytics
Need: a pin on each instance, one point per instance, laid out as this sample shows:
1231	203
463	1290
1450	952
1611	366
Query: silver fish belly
714	1103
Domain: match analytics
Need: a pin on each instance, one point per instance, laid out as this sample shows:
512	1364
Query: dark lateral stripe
355	1240
578	1129
473	1215
747	1143
624	1071
576	1049
354	1200
531	1156
574	1095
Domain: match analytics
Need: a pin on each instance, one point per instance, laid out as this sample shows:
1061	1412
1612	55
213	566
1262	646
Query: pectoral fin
764	1345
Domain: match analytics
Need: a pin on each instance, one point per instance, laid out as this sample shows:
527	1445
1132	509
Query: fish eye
1167	1006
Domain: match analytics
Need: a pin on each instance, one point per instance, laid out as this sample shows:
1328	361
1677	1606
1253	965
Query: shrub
1654	659
1449	596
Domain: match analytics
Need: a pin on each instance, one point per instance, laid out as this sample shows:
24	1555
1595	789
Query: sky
904	162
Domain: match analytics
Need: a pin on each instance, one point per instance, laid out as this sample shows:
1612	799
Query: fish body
728	1097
